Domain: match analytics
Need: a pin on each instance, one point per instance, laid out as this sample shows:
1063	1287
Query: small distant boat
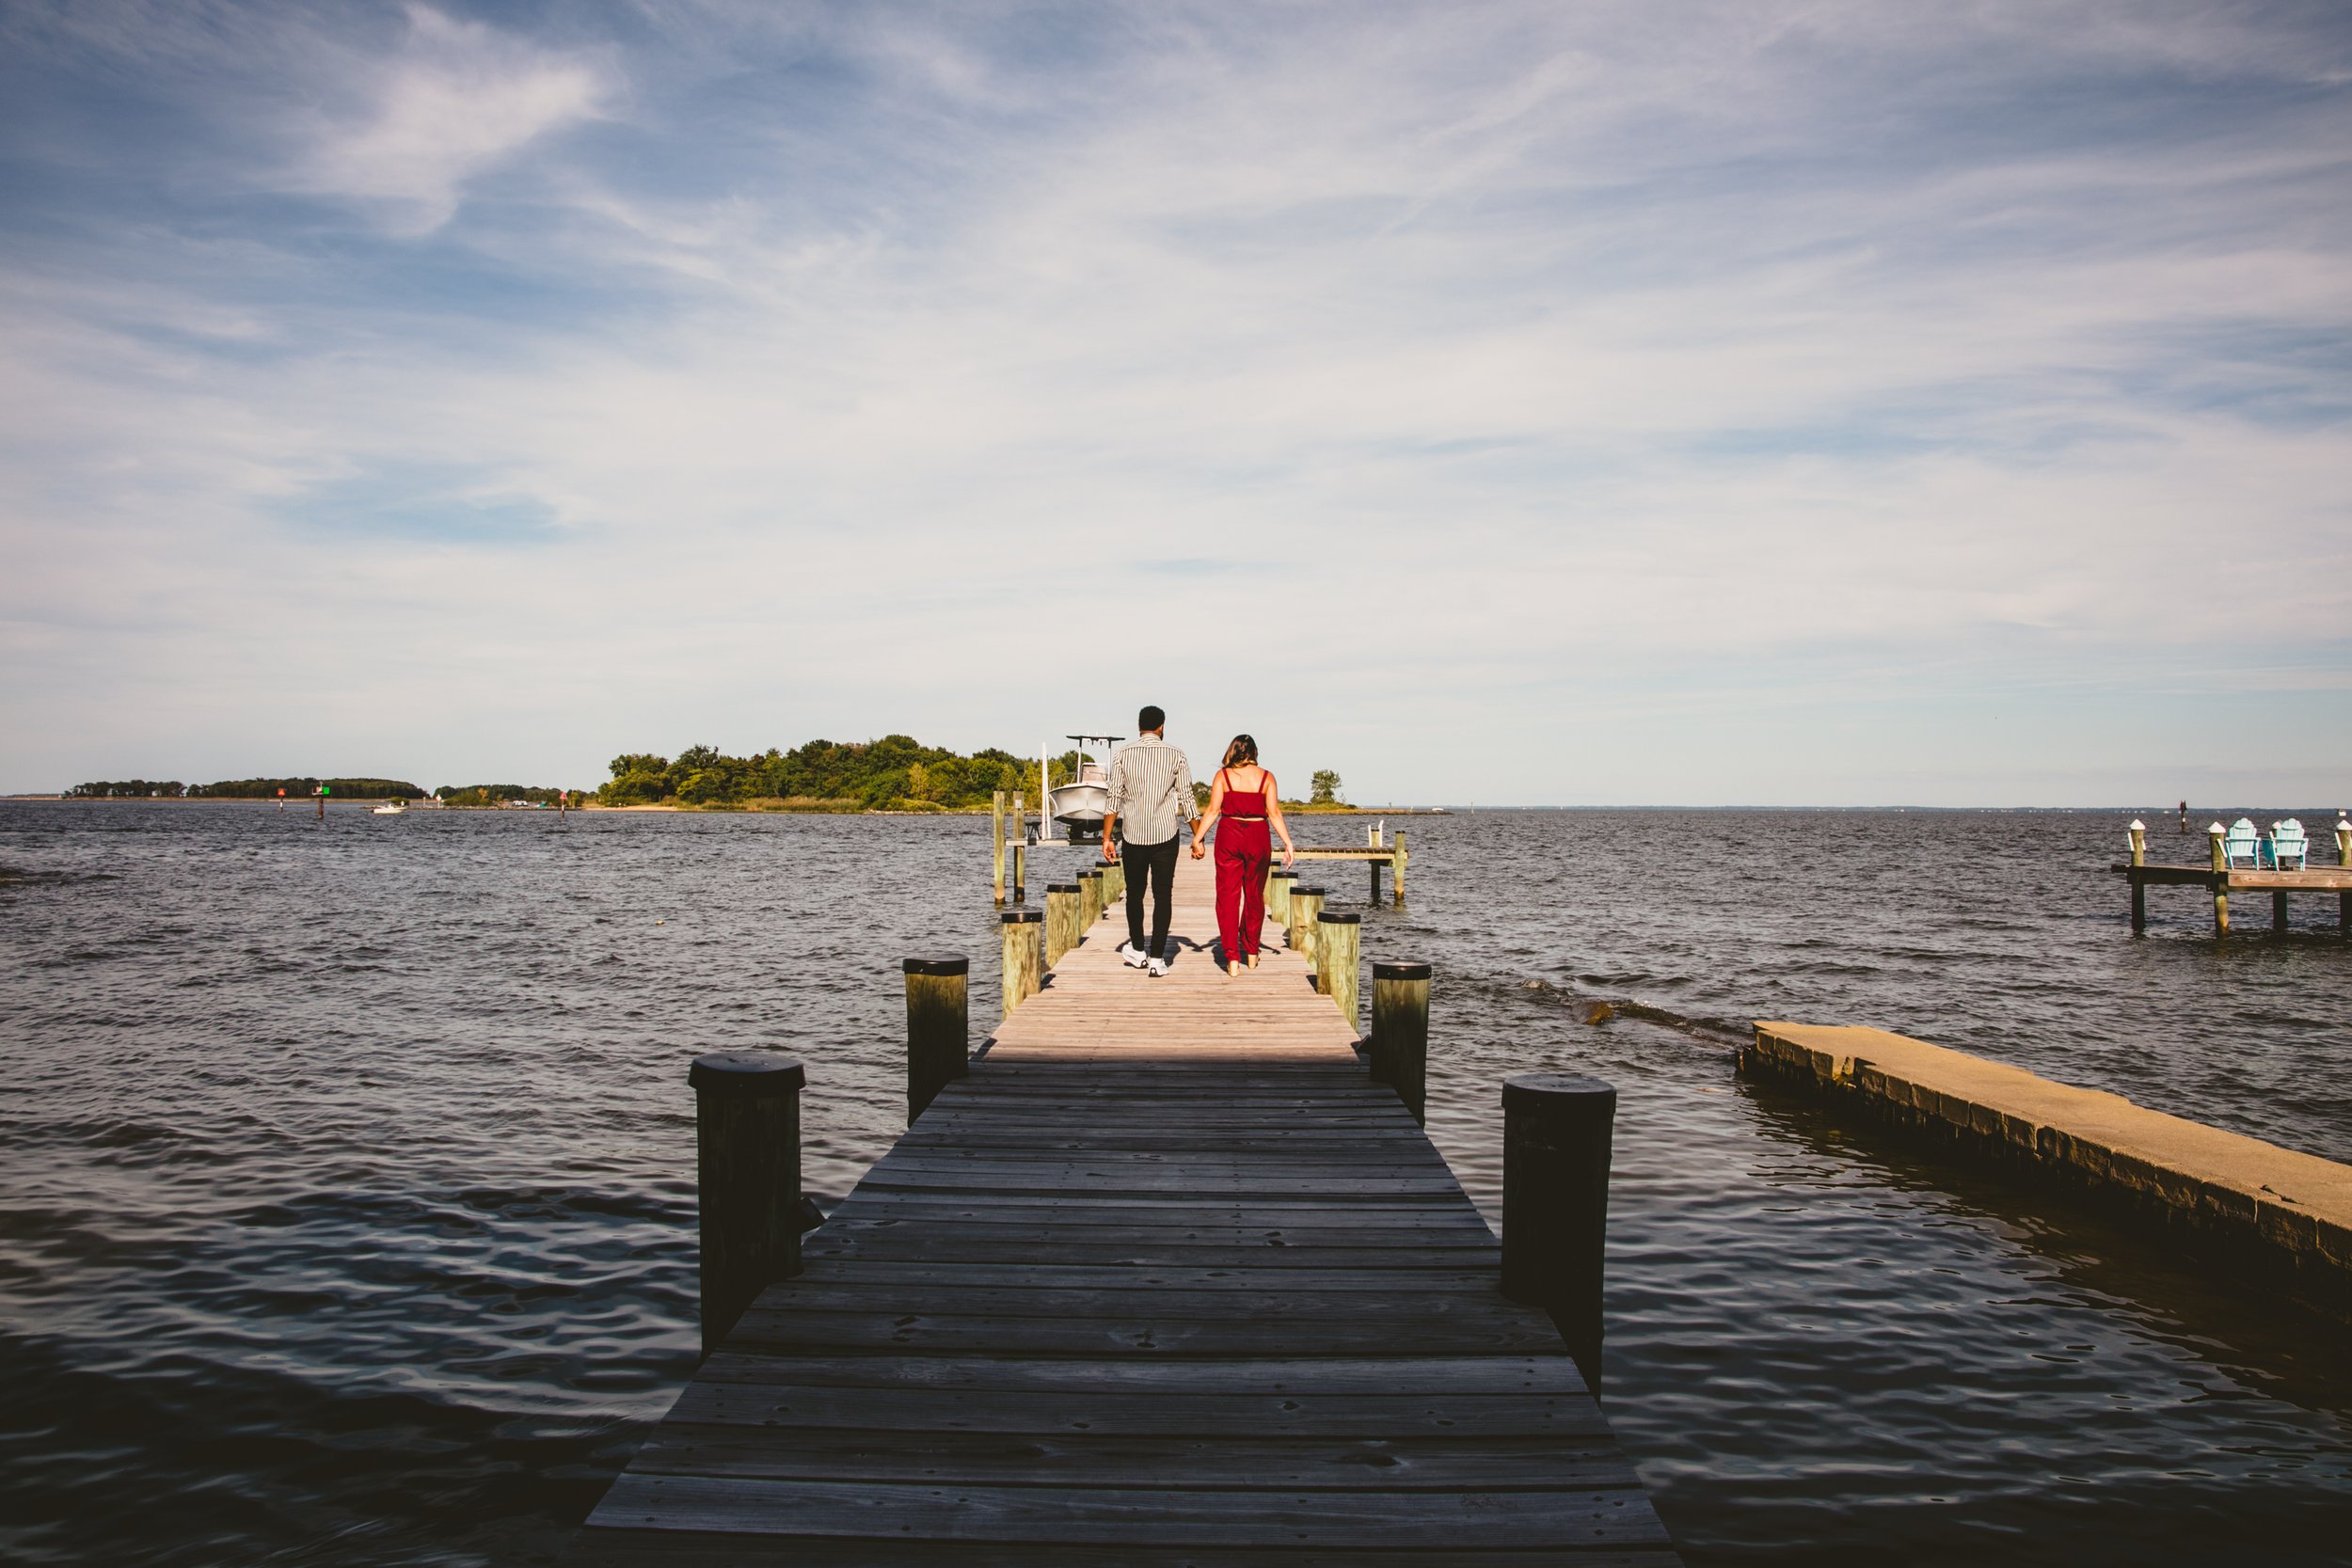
1438	811
392	808
1077	805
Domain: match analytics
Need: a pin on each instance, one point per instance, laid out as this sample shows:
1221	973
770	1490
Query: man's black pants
1159	859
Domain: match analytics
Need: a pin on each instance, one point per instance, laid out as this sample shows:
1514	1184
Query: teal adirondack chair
2242	843
2287	842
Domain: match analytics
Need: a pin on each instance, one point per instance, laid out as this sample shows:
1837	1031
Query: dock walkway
2226	881
1165	1279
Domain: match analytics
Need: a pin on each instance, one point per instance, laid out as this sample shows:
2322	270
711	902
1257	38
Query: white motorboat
1078	804
391	808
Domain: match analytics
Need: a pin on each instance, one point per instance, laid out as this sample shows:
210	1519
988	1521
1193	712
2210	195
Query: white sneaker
1132	954
1158	967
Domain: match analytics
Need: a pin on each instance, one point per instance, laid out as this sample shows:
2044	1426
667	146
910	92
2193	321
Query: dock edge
2286	1214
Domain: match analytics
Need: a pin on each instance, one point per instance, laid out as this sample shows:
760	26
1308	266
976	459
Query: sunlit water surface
345	1170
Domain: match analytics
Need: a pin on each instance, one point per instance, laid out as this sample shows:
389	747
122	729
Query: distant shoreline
716	808
747	810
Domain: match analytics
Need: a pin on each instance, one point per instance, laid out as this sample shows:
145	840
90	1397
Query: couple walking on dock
1150	786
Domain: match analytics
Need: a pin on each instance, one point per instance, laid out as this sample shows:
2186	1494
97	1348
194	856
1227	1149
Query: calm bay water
345	1169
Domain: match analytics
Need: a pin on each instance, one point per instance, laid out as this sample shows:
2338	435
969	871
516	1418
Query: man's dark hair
1150	718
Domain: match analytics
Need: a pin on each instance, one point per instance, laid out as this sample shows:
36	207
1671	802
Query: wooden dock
1164	1281
2222	883
2264	1213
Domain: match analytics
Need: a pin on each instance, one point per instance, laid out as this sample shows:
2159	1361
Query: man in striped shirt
1151	786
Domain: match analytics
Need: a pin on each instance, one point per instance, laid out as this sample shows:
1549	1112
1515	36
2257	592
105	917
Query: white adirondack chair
2242	843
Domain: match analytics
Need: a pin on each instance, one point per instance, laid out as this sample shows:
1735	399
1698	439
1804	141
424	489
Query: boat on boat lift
1078	804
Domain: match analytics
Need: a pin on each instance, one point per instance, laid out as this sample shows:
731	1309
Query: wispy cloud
407	503
1493	362
452	101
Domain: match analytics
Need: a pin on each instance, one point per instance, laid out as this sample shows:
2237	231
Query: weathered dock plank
1238	1460
2317	879
1163	1280
1364	1517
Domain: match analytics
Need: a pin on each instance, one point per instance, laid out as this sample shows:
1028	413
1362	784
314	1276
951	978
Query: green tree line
896	772
495	794
337	789
128	790
253	789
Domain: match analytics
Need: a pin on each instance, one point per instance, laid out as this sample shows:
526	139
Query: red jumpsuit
1242	856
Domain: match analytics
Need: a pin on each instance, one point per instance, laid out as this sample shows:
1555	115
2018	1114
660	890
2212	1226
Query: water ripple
346	1210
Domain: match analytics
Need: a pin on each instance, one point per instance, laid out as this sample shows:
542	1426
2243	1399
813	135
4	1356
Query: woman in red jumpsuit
1244	799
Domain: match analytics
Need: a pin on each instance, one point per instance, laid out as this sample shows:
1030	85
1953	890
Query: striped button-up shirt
1150	790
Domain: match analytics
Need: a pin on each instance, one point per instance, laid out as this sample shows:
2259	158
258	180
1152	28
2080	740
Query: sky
1655	403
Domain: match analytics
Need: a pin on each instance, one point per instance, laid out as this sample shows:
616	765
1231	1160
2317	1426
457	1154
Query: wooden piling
2279	912
2139	832
1089	897
1396	871
1061	920
1278	897
1374	866
1556	1131
996	844
1020	848
1305	904
1400	1033
2220	880
747	1175
939	1027
1339	947
2344	900
1024	955
322	802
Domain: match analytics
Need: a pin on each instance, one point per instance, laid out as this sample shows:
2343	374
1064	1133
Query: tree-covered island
247	790
894	773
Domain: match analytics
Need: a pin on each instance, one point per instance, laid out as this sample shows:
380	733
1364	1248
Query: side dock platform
1162	1279
2221	875
2273	1213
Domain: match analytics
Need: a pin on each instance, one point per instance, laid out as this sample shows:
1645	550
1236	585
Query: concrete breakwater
2286	1214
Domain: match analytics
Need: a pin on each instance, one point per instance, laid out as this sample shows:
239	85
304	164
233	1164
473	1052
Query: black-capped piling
939	1027
1024	955
1400	1033
1306	905
1339	948
747	1177
1556	1131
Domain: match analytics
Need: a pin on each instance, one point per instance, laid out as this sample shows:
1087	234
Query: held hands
1196	849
